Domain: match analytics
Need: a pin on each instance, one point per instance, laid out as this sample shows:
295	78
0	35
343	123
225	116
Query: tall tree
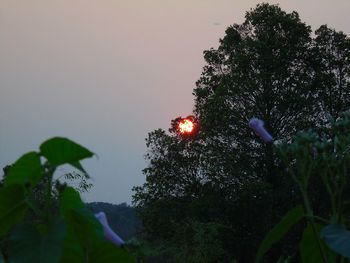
332	52
261	69
268	67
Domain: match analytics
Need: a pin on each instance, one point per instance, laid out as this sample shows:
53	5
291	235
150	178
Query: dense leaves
270	67
12	207
106	252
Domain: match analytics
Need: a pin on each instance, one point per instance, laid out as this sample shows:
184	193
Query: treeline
212	196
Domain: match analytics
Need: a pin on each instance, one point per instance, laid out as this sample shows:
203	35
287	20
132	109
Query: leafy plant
45	221
318	159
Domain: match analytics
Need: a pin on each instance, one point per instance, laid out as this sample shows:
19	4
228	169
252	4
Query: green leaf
337	238
60	151
309	248
73	251
85	226
276	233
26	169
69	200
30	244
12	207
78	166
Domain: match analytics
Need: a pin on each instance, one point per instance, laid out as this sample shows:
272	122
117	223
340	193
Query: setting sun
186	126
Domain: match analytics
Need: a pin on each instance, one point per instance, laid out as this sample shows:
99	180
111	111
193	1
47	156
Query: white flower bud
108	232
258	126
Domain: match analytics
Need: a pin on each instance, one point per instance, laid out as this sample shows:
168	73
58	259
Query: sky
104	73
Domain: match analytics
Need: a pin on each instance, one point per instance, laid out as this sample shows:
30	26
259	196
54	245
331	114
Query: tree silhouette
268	67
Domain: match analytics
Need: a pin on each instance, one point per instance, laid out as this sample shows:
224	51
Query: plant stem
325	180
309	212
311	219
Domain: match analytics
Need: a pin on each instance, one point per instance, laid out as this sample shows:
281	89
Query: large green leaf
78	226
82	223
12	207
81	226
276	233
85	226
309	246
26	169
73	250
60	151
31	244
69	200
337	238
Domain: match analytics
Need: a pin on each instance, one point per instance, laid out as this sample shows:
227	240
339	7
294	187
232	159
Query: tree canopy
223	177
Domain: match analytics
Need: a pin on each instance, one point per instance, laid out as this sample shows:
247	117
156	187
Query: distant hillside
122	218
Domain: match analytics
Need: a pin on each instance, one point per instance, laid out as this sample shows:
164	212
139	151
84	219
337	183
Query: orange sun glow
186	126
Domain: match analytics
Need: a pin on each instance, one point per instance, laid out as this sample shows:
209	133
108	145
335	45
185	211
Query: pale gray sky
106	72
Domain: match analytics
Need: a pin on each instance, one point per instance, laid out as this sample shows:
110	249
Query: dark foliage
224	178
